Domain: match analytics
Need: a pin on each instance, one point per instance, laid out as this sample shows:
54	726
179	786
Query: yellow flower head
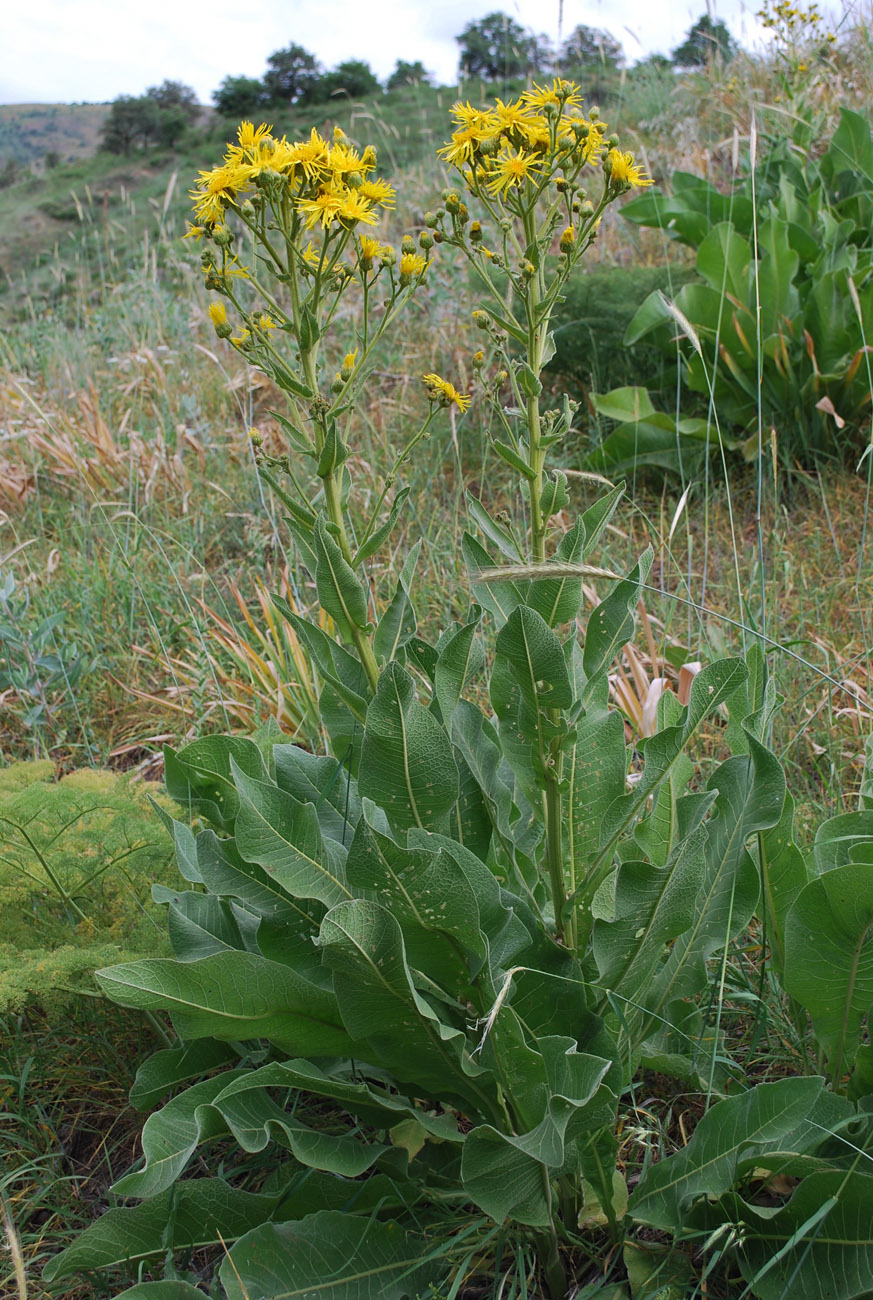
370	249
355	208
324	207
623	171
412	264
559	94
512	168
311	155
250	136
440	390
218	313
514	117
377	191
263	321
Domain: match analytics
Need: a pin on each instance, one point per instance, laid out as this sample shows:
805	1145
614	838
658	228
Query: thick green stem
556	1278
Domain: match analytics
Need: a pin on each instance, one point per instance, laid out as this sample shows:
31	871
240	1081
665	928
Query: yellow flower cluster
329	184
500	148
789	22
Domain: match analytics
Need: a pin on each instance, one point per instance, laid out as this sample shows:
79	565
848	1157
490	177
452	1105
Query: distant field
30	131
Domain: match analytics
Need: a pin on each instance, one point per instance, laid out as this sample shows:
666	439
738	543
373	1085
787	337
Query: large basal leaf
329	1255
165	1069
232	996
198	777
283	836
200	924
363	945
324	782
224	872
202	1212
817	1247
751	790
171	1136
507	1174
407	766
783	876
829	957
735	1131
838	839
431	899
594	772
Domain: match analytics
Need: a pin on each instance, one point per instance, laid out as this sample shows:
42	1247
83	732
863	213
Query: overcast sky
62	51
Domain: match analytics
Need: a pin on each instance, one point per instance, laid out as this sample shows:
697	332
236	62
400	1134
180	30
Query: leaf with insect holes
407	766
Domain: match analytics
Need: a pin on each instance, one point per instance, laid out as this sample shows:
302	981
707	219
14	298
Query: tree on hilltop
354	78
496	47
293	76
175	94
409	74
705	40
241	97
594	58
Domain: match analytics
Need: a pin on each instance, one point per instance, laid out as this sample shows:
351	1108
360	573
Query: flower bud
223	236
431	220
407	244
388	257
438	237
568	241
425	240
476	232
478	359
453	203
481	320
463	214
337	386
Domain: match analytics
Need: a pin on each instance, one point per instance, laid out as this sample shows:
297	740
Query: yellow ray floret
440	390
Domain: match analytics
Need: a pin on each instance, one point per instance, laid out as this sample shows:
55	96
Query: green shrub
591	323
78	858
799	246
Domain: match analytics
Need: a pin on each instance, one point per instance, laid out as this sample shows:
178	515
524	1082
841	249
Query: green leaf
819	1244
172	1135
431	899
459	657
529	382
198	777
233	996
735	1132
197	1213
299	440
174	1065
499	598
829	957
558	599
324	782
363	945
334	663
838	839
626	405
595	771
506	1174
334	452
283	836
407	766
169	1290
529	681
851	147
512	458
397	625
331	1255
200	924
384	530
340	594
495	532
611	624
225	873
723	259
783	876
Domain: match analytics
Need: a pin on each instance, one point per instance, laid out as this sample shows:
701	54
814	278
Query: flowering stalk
304	207
526	163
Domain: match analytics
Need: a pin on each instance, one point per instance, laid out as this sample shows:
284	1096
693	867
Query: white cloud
71	50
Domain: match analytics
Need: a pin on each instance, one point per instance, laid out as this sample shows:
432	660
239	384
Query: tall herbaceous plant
424	967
